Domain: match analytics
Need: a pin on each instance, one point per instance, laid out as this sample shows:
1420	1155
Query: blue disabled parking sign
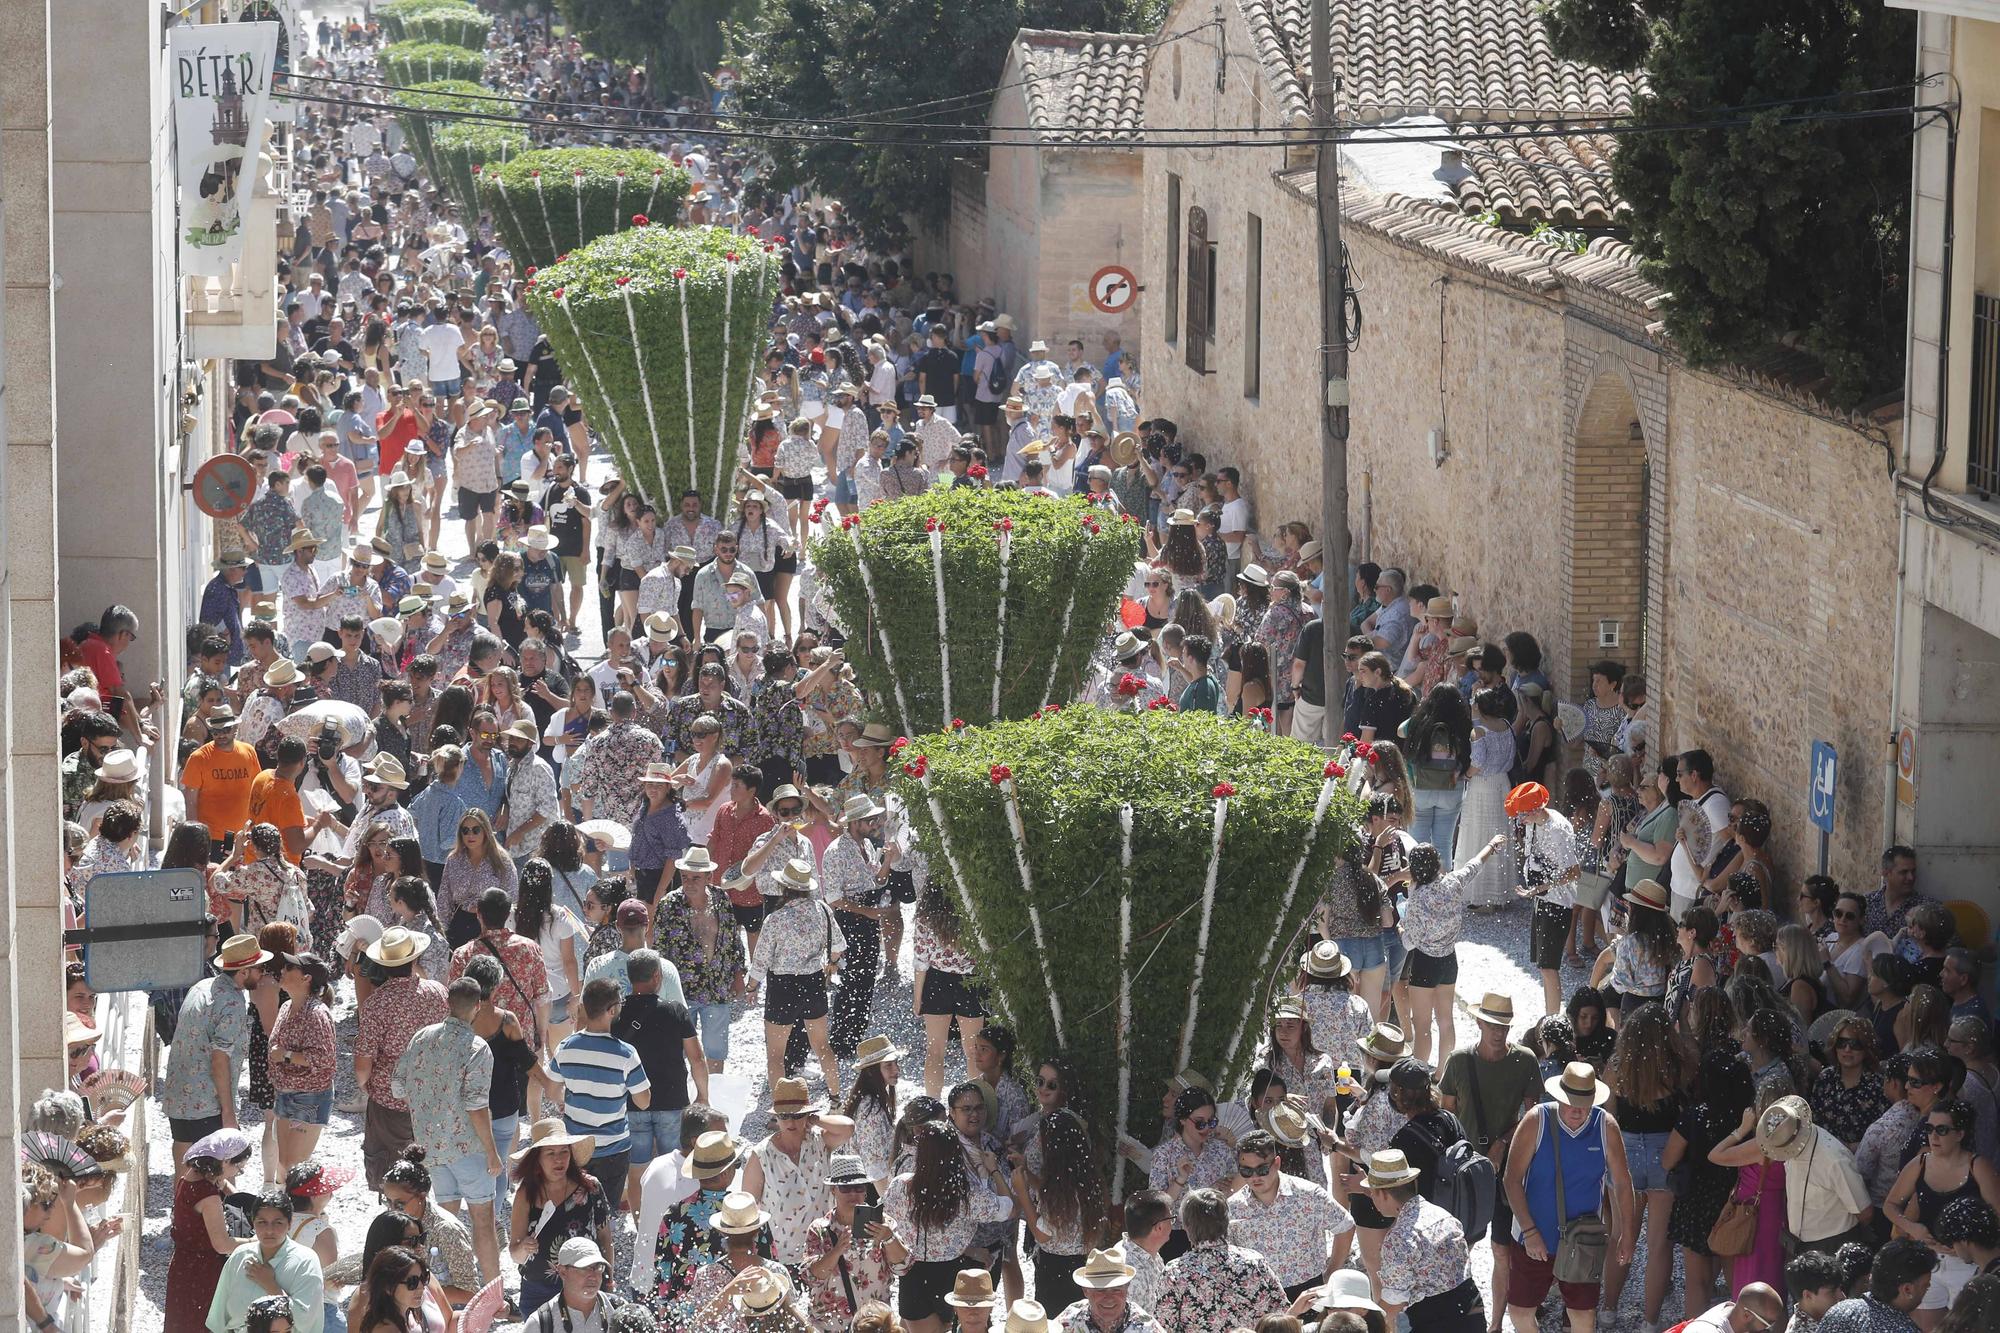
1825	773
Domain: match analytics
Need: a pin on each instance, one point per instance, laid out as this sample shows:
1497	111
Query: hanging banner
291	42
220	78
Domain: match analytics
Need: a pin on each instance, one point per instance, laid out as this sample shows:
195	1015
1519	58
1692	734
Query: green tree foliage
679	42
826	60
1770	231
1068	560
1072	771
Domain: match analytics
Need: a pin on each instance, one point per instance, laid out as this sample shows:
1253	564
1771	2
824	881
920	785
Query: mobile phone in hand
865	1213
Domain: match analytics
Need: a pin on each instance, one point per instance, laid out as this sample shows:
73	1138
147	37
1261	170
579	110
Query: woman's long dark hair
939	1186
385	1273
1650	1063
870	1085
936	914
533	905
454	709
1072	1194
409	856
187	847
561	847
1442	710
1654	930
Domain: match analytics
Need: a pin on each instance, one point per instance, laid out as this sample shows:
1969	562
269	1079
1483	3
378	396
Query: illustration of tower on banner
230	126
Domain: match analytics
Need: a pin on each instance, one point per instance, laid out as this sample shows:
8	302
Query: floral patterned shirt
788	845
1076	1319
269	521
710	971
686	708
701	535
1371	1125
1338	1019
867	1273
798	939
951	1240
607	767
717	1313
1847	1112
1294	1232
445	1074
686	1247
302	624
1216	1287
795	1192
933	953
305	1030
776	727
524	978
840	700
396	1010
1423	1253
1314	1082
215	1016
1434	912
1215	1163
464	879
874	1138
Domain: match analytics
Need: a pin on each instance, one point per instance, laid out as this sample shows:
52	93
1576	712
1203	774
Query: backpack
1465	1182
997	380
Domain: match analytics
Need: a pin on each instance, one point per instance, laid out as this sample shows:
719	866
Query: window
1253	304
1982	464
1200	292
1173	301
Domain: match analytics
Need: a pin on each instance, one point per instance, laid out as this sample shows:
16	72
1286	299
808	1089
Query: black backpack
1464	1183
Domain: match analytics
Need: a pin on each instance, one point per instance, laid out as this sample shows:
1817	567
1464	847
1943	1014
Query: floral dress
1279	633
1847	1112
196	1268
688	1244
1337	1020
864	1275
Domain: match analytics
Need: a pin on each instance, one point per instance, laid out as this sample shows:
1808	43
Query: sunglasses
794	1115
1256	1171
1841	914
1935	1129
415	1281
469	830
1049	1084
787	811
1850	1044
1204	1125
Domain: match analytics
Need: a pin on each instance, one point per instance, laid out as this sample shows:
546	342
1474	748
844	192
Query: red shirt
97	656
736	830
394	1012
396	430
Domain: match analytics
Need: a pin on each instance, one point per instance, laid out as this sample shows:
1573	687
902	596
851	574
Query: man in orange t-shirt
274	798
218	777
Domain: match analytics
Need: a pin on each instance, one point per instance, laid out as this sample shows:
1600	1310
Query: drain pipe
1889	838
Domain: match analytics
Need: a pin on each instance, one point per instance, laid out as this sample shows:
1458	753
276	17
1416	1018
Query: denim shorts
1642	1156
1394	951
447	388
305	1108
466	1179
1364	951
559	1009
713	1020
654	1134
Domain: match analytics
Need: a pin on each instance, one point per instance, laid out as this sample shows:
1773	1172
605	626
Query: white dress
701	787
1484	816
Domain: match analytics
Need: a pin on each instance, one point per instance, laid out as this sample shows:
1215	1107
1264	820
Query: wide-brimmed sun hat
1785	1128
240	952
399	947
715	1153
739	1214
876	1051
1494	1008
1325	962
1104	1269
1388	1169
972	1288
790	1097
550	1133
1578	1085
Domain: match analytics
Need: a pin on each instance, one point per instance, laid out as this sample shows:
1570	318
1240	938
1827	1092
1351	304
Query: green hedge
1072	770
1055	556
395	16
544	208
463	151
407	64
454	25
441	95
644	395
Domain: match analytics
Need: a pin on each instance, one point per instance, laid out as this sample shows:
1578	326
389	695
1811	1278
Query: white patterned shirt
1294	1232
1423	1253
795	1193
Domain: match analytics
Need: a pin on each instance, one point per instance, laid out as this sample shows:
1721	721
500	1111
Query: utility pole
1337	593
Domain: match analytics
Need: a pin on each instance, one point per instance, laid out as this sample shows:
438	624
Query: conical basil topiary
454	25
393	15
1130	884
919	581
407	63
555	200
464	150
660	330
449	97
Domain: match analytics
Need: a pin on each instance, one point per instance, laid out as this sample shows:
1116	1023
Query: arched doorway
1609	548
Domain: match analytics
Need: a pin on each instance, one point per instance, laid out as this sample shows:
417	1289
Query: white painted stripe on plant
722	399
944	637
1326	790
646	395
749	380
1124	990
687	366
576	189
1006	537
1007	795
875	618
590	363
555	250
617	202
1201	938
964	898
1062	636
500	189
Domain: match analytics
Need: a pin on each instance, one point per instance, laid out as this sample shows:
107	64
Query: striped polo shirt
598	1073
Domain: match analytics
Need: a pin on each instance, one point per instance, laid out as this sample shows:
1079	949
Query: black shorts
787	562
921	1292
1547	934
194	1131
767	583
796	488
1366	1215
624	580
795	999
751	917
984	414
1425	970
948	993
476	502
902	886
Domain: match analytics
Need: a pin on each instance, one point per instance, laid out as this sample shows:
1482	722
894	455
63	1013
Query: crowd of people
542	889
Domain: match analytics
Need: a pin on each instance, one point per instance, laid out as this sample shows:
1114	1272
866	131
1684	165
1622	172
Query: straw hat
790	1097
551	1134
222	719
876	735
859	806
1347	1289
1128	646
1181	518
845	1168
696	861
523	730
796	876
1026	1316
739	1214
1255	575
76	1032
1439	606
1325	962
1288	1006
1578	1085
1647	893
1385	1045
240	952
1286	1122
1310	551
121	765
1388	1169
876	1051
301	539
971	1289
662	628
282	672
1104	1269
1035	450
1124	449
715	1153
1460	645
657	773
1785	1129
414	604
387	770
763	1289
399	947
538	538
1493	1008
231	560
436	562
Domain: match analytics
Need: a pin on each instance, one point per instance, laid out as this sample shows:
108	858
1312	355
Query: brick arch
1608	523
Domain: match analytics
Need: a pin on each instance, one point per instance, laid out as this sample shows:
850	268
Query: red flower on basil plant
1334	770
999	773
1222	790
639	219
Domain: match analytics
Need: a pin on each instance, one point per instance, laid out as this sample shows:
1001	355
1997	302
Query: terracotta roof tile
1564	181
1084	88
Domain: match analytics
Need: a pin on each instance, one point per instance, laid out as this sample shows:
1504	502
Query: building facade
1942	748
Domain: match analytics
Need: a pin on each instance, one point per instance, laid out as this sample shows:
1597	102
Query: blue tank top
1582	1168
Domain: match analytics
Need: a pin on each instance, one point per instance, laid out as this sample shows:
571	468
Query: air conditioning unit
1607	633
